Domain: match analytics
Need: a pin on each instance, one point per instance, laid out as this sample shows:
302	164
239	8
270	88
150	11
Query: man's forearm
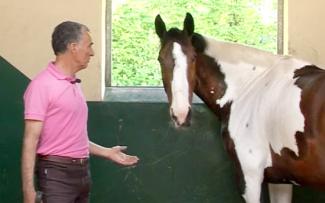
28	164
30	141
97	150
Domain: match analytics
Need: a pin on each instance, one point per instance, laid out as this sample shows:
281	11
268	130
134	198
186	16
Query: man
55	143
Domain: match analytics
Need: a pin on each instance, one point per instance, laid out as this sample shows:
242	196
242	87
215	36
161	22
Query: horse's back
311	80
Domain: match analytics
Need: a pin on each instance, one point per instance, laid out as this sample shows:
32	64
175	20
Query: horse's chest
266	117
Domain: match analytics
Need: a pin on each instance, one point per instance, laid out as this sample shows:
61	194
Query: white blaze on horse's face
180	106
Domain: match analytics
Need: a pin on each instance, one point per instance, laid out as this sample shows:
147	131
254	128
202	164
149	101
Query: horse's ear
189	24
160	26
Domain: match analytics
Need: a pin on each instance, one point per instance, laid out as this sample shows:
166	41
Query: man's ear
72	47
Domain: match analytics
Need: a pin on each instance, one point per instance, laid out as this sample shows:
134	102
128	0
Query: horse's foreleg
253	183
253	159
280	193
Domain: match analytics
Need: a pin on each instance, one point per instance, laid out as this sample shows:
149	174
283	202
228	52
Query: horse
271	107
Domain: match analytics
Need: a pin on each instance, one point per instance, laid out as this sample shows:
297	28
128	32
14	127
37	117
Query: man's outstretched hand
117	155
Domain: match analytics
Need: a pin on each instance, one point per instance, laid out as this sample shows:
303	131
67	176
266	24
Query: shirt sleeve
35	101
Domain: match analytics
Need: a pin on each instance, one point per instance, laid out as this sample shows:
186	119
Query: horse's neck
241	66
210	84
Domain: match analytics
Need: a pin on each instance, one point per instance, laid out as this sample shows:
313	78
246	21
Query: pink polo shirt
61	106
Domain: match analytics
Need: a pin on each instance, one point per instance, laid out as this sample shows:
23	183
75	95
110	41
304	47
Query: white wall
306	30
25	35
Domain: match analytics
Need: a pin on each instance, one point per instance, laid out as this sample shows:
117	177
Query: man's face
84	50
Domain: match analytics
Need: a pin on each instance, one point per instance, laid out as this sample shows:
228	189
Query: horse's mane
198	43
233	52
175	34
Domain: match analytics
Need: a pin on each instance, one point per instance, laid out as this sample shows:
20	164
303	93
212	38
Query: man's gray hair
66	33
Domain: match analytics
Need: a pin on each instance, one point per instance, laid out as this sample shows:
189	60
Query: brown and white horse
272	108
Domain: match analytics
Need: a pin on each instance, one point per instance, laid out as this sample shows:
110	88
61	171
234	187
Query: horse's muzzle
179	121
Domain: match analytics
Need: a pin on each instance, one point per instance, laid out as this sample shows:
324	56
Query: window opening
134	44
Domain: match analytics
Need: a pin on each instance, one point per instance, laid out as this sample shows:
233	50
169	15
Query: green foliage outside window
135	44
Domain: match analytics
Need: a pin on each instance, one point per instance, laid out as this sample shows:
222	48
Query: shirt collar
53	69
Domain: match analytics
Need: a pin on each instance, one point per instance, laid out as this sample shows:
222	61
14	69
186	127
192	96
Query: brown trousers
63	182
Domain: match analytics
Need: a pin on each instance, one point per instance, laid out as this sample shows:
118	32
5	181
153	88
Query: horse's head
177	60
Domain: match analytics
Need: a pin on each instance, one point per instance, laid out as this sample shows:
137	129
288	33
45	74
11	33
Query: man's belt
64	160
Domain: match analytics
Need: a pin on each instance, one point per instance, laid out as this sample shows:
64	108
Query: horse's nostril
172	114
188	118
174	117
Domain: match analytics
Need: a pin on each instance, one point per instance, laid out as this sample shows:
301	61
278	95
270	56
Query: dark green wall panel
12	86
184	165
